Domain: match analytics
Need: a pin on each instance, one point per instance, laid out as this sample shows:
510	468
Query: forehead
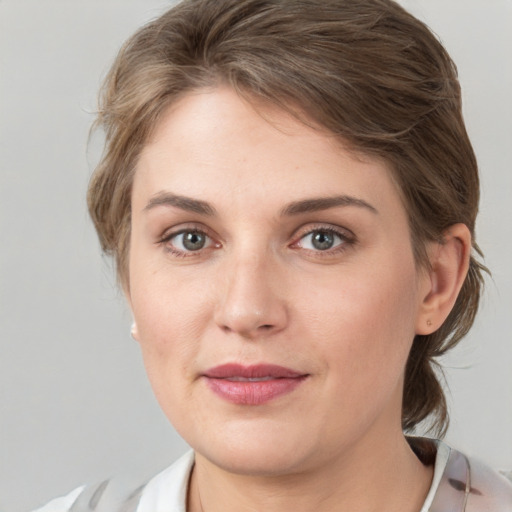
211	143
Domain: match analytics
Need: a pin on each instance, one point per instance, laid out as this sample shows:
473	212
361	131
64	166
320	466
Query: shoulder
488	487
62	504
469	485
166	491
103	497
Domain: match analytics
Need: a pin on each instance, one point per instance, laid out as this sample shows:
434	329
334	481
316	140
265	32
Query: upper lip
256	371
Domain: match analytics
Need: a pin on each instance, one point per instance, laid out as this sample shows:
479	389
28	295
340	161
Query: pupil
193	241
322	240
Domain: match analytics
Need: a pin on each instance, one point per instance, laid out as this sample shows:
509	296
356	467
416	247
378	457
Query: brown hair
366	70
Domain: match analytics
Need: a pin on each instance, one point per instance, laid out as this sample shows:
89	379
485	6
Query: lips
252	385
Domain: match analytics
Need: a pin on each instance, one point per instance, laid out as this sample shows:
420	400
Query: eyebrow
182	202
295	208
324	203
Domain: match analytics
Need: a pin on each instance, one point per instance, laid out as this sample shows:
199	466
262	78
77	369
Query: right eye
187	241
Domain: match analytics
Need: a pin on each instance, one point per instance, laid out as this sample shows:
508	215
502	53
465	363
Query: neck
371	476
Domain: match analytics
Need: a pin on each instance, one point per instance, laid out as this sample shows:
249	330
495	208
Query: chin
258	448
256	460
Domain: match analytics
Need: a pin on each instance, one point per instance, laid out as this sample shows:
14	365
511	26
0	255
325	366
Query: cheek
170	326
169	347
364	324
165	304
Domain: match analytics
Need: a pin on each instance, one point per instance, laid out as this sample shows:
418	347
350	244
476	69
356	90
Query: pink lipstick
252	385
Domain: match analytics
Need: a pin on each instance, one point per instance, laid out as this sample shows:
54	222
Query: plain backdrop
75	405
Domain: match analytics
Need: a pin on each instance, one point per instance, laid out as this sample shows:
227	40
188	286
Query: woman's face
273	286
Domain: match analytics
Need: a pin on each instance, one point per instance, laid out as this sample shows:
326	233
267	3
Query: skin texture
259	291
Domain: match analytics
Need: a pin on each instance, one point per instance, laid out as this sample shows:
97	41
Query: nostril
247	332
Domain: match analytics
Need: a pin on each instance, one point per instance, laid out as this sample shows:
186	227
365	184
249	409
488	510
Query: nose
251	299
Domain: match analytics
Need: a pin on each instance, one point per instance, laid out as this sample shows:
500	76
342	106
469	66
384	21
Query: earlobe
449	263
134	331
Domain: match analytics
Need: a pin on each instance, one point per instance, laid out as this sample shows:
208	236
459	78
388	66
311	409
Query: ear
449	263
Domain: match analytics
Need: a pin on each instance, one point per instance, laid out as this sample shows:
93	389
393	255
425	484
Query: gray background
75	406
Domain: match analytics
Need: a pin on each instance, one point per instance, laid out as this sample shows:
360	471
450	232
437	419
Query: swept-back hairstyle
365	70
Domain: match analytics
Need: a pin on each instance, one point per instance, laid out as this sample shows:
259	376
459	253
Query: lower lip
255	392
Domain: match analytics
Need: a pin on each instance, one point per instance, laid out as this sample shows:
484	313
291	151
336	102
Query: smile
252	385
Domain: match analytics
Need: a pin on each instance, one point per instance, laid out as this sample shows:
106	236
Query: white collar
167	491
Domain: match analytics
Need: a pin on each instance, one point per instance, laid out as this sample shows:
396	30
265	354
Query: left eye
321	240
187	241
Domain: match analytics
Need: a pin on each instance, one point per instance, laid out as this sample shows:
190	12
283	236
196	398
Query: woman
290	195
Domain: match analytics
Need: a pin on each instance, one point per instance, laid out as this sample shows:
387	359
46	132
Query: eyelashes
315	240
324	240
188	242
